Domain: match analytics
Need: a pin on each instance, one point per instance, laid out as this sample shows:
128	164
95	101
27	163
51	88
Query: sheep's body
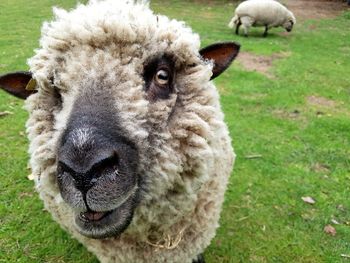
267	13
186	164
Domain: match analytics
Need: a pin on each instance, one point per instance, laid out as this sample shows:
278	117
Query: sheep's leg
265	32
200	259
247	22
246	30
237	26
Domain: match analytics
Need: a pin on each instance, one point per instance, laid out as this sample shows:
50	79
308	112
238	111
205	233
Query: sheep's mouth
92	216
105	224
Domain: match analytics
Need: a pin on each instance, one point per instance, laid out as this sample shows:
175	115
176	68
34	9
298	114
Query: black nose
84	171
84	156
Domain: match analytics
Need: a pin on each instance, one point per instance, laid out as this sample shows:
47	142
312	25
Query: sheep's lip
99	225
95	216
92	216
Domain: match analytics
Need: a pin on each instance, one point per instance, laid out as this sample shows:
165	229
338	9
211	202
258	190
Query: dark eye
57	93
159	76
162	77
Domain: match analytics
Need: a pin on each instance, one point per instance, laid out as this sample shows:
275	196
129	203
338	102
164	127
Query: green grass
305	147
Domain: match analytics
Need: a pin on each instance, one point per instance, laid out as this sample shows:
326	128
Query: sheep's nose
85	156
85	174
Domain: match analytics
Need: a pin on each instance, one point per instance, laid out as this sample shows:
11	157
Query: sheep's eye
162	77
159	73
57	95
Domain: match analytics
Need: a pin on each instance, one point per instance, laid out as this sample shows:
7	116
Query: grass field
297	124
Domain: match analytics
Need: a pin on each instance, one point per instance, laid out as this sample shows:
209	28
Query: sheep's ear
19	84
222	54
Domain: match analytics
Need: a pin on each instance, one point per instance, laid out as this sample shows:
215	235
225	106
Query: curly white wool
269	13
192	155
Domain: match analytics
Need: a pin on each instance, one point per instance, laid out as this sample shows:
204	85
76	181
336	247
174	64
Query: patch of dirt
259	63
294	116
320	168
322	106
320	101
315	9
287	115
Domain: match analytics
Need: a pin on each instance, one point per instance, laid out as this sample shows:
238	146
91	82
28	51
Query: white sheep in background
127	138
267	13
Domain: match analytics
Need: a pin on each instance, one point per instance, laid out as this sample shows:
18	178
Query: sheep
128	143
267	13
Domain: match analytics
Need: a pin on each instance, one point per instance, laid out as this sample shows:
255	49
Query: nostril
80	180
105	165
85	177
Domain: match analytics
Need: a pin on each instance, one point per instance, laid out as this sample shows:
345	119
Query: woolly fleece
185	148
261	13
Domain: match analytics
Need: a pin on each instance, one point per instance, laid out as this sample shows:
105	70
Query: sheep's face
98	171
114	118
288	25
97	166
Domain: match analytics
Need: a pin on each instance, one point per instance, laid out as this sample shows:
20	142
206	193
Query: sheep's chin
99	225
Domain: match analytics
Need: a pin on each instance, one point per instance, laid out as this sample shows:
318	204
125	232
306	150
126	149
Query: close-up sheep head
127	139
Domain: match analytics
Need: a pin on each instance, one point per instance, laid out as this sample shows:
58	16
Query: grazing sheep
127	138
267	13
